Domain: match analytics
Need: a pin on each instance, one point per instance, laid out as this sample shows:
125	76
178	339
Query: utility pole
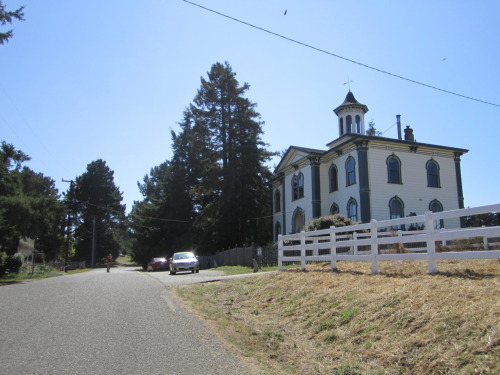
69	229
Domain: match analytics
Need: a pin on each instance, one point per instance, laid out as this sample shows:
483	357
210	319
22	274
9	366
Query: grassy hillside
401	321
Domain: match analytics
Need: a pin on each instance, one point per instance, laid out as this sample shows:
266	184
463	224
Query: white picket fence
380	241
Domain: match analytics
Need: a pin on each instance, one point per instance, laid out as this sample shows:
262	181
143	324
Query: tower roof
350	101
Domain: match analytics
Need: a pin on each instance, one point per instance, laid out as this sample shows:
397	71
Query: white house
365	177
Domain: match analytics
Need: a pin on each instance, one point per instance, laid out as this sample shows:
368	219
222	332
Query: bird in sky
285	12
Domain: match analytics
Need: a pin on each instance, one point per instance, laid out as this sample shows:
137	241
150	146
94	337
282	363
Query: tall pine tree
163	222
234	176
213	193
97	213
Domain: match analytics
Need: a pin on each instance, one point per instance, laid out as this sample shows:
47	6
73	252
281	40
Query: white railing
379	240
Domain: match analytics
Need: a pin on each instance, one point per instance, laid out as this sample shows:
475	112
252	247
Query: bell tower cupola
351	116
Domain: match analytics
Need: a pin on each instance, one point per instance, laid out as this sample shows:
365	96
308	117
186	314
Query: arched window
298	220
393	170
341	125
298	186
432	173
301	185
350	169
277	230
396	210
348	125
334	209
333	177
358	124
436	206
352	210
277	201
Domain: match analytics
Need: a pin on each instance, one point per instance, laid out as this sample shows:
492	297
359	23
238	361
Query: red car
158	264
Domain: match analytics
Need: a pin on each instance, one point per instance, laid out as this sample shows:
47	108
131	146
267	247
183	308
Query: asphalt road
122	322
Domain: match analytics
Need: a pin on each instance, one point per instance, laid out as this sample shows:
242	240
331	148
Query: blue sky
88	80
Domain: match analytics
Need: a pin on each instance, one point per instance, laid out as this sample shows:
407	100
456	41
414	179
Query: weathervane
348	83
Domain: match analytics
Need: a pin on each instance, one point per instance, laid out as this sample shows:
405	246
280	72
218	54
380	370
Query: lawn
400	321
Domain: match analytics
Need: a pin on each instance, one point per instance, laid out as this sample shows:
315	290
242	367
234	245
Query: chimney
398	120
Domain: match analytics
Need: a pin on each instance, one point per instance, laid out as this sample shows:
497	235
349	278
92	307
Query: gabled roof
296	151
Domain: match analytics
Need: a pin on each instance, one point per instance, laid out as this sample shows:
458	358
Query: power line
21	116
341	57
390	127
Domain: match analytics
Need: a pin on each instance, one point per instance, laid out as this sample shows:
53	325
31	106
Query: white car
185	261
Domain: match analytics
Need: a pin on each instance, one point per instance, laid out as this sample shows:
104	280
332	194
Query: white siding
413	191
341	196
304	203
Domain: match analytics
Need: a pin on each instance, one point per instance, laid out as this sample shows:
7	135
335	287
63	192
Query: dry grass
401	321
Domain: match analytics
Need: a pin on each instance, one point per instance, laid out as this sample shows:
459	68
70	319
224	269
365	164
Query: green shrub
12	264
325	222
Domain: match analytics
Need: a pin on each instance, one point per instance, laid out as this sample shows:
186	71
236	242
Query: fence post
374	245
400	246
431	244
485	243
280	252
303	251
354	247
333	249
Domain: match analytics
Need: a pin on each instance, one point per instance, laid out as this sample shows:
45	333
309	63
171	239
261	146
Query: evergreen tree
163	222
46	213
29	206
11	200
233	189
214	192
185	171
371	129
6	17
97	213
149	226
